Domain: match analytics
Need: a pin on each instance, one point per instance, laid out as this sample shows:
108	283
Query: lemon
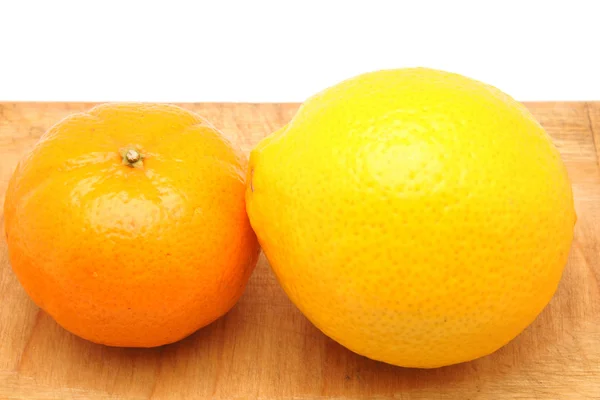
415	216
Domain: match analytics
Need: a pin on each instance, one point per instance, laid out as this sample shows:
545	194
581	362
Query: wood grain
264	348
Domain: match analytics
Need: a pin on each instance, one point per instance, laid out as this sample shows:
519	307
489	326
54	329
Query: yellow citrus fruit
415	216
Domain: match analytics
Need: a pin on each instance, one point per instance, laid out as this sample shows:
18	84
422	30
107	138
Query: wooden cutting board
264	348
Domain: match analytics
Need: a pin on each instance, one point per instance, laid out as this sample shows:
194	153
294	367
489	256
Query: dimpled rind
415	216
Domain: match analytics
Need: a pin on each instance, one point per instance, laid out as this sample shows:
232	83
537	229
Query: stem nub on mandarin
132	157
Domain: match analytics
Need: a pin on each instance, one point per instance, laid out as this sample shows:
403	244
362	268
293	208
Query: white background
287	50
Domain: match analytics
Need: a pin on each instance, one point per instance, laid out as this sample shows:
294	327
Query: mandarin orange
127	224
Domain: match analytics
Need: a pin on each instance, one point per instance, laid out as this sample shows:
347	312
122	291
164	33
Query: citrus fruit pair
417	217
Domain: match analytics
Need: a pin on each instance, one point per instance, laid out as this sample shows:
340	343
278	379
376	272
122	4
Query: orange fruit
415	216
127	224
